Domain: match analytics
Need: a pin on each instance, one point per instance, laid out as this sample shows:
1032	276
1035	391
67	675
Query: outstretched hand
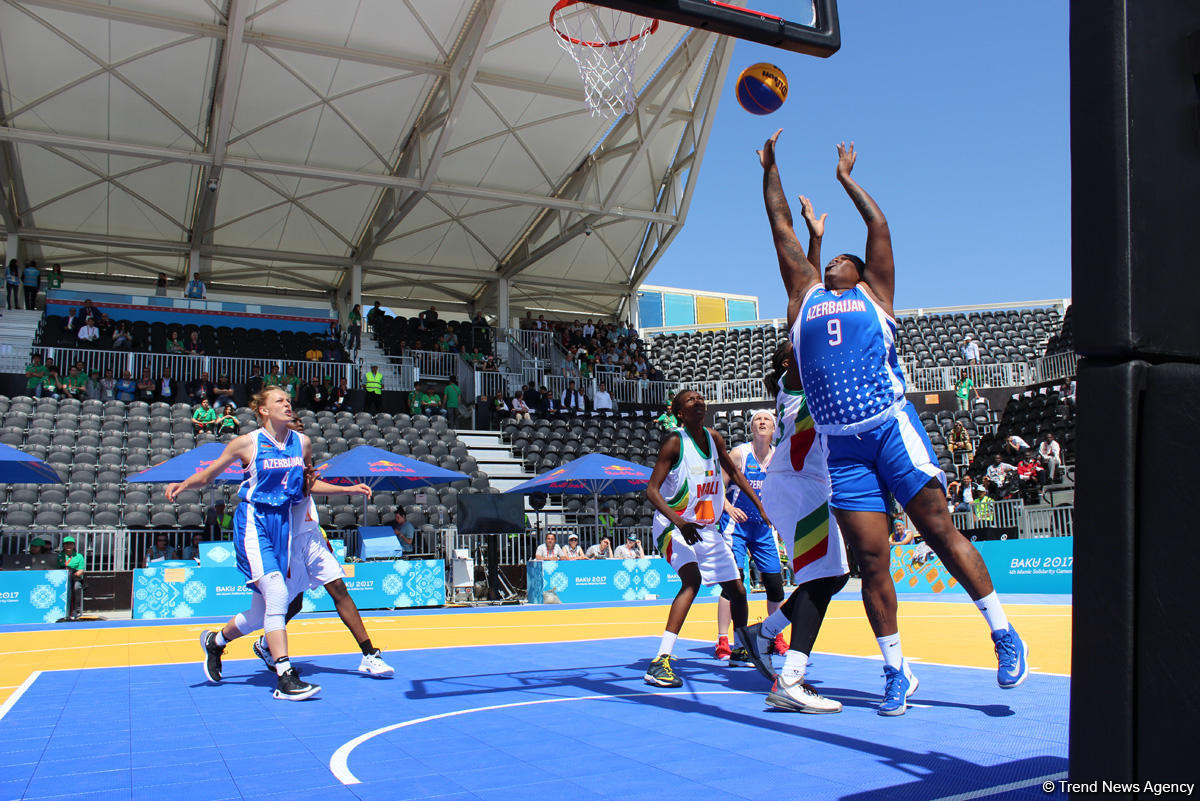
766	156
846	157
173	491
816	226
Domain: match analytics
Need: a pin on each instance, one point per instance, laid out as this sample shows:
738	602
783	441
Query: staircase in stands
18	331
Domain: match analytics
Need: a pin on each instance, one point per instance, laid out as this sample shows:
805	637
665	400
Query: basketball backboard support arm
821	39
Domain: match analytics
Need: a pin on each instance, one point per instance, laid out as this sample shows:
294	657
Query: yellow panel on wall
709	309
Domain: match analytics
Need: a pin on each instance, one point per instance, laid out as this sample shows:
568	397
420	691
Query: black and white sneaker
293	688
758	648
212	656
264	653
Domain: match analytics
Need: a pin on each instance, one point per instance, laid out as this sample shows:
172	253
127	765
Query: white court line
337	763
11	701
1001	788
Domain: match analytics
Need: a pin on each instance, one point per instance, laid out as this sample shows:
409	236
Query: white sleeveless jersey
693	488
797	451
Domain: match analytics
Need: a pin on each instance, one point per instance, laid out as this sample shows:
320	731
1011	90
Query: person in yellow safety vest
984	512
373	386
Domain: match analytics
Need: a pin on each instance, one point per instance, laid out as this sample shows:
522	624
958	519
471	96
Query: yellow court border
945	633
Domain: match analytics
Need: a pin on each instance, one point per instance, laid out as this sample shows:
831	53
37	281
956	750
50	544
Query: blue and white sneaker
264	653
1013	655
898	686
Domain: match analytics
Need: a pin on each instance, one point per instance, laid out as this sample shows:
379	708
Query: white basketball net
605	44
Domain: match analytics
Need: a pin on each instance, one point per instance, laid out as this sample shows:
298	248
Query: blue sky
962	133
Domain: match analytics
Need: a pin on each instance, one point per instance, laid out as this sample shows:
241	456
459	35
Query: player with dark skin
867	533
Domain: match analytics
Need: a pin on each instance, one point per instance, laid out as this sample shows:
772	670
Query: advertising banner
33	596
1040	565
581	581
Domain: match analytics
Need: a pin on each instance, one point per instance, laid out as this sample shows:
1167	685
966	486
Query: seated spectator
573	551
108	386
93	389
74	562
339	398
122	339
549	550
199	389
404	531
254	384
194	346
335	331
106	326
549	406
167	389
313	395
38	547
632	549
191	551
601	550
195	288
314	354
205	417
35	371
500	407
216	521
900	533
1014	446
147	390
227	423
1030	471
961	494
51	387
572	399
520	409
88	332
174	343
76	384
998	473
431	402
160	551
222	392
602	401
127	388
291	382
960	439
1051	454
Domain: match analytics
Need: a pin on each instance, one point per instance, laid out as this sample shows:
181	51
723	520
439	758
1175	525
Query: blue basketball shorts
895	457
262	537
754	538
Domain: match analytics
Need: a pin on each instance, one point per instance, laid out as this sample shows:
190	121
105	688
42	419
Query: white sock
794	665
667	644
282	665
889	646
220	640
776	622
993	612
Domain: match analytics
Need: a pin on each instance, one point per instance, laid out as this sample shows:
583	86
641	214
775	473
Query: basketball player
262	526
843	334
796	494
748	534
688	493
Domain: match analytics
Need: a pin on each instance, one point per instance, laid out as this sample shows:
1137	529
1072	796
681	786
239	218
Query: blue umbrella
188	464
18	467
593	474
383	470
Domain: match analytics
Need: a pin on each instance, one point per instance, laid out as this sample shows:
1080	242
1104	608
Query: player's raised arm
816	230
798	274
880	271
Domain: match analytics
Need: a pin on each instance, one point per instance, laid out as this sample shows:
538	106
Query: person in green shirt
962	390
414	400
35	371
205	417
227	423
55	279
291	382
431	403
71	561
275	378
453	397
51	386
174	343
76	384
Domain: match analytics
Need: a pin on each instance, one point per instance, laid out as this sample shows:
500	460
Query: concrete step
505	483
501	469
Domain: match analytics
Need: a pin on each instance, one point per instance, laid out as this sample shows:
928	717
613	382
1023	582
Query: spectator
572	399
217	520
404	531
500	407
313	395
962	391
106	326
122	339
35	371
108	386
146	388
88	332
1030	471
194	346
160	285
601	550
93	388
900	534
127	388
1014	446
339	399
254	384
355	328
166	386
75	385
375	315
520	409
602	401
373	387
191	551
970	349
70	323
431	402
313	354
39	547
12	283
548	406
199	389
428	318
1051	454
160	551
549	551
195	288
573	551
998	472
291	382
222	392
74	562
982	505
632	549
54	281
31	278
205	417
960	439
453	400
52	386
961	494
174	343
227	423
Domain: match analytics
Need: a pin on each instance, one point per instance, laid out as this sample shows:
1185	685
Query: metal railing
1008	374
728	391
489	382
399	372
1055	365
517	549
434	364
1029	521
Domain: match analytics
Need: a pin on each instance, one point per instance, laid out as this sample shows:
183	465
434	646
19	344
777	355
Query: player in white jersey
843	332
274	459
688	493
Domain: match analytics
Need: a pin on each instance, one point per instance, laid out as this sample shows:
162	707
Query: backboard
813	31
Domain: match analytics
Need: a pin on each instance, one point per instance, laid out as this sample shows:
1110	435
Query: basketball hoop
605	45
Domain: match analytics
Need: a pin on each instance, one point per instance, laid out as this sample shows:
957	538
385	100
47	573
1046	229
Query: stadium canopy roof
442	145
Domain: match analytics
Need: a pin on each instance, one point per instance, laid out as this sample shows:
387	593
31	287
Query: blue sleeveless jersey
845	345
754	477
275	476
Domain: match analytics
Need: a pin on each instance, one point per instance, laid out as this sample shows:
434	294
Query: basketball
762	88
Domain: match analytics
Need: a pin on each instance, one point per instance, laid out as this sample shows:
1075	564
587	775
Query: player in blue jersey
275	481
843	332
